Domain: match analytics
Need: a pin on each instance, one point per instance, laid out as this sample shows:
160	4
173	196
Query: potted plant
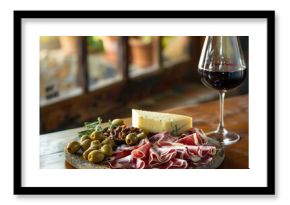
141	51
110	44
95	44
175	47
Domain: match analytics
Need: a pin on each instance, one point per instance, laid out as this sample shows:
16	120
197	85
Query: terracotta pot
141	53
111	46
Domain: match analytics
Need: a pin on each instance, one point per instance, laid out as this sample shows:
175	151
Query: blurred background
84	77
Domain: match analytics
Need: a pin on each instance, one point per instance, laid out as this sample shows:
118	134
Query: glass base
224	137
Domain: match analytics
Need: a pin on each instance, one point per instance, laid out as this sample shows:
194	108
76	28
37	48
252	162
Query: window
59	61
143	56
103	61
83	77
175	49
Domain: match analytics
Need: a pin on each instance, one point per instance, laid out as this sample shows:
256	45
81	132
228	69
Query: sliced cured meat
141	152
121	163
140	164
120	154
162	139
174	164
179	163
193	139
182	152
202	151
159	155
164	151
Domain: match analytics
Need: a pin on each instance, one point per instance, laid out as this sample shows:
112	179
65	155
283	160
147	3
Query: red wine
222	80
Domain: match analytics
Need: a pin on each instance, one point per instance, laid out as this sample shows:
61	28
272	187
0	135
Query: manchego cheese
158	122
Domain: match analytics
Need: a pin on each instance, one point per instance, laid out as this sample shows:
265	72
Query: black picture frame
268	190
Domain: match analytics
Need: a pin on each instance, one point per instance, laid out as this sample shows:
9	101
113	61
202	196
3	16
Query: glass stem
221	128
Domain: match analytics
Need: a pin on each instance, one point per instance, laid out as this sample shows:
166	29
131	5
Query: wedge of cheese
158	122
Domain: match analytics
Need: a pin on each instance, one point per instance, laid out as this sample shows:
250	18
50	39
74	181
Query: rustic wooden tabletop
205	116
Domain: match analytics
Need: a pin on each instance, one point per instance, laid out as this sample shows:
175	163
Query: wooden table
205	116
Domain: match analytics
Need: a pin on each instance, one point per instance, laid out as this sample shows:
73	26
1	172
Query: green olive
87	152
131	139
73	147
96	156
107	150
117	122
85	144
108	141
96	135
84	137
141	136
95	144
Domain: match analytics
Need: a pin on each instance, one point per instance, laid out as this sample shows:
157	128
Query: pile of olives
96	146
133	138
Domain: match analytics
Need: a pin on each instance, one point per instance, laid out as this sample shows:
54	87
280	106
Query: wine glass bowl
222	67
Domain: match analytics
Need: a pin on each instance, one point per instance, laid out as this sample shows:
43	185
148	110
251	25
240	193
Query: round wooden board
77	161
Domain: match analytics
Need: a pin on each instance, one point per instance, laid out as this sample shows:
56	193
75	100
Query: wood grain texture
205	116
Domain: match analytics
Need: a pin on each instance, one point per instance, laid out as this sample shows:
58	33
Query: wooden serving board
77	161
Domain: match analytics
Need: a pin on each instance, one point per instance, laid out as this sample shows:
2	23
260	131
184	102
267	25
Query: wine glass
222	67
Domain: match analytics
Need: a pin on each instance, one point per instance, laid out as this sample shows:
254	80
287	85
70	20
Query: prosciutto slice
141	152
162	155
164	151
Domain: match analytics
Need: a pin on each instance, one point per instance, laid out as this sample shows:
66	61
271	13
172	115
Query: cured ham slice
162	139
192	139
140	164
174	163
159	156
141	151
163	151
121	163
201	151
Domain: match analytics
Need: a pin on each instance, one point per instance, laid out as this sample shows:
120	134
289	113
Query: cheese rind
158	122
